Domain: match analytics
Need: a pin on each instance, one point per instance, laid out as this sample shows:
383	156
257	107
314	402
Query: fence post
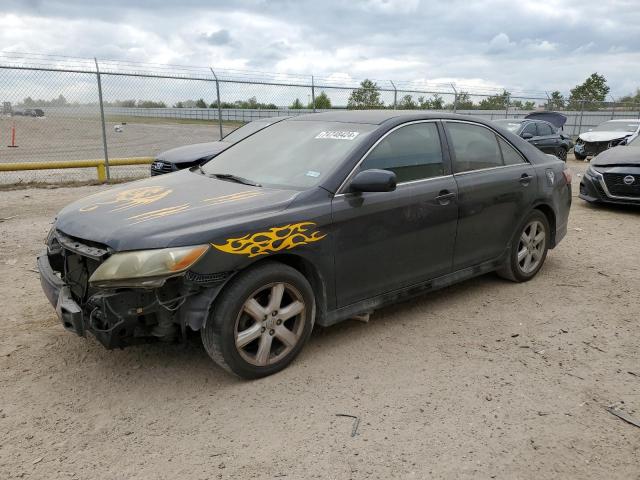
613	106
313	94
455	98
506	107
581	114
104	128
218	97
395	94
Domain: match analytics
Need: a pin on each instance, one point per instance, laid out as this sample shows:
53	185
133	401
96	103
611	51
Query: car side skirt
395	296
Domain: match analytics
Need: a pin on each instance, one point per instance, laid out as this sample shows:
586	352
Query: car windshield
634	143
511	125
290	154
245	130
617	127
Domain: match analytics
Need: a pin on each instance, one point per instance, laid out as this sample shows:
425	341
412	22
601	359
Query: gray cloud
219	37
527	45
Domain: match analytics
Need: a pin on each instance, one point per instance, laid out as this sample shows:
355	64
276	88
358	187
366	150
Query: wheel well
310	272
551	218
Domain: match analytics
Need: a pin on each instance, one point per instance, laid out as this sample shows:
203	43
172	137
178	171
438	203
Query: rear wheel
562	154
261	321
528	249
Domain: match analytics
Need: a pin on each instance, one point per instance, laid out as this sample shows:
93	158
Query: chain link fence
61	109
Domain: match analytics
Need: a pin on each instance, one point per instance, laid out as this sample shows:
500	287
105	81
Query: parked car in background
29	112
311	221
613	176
189	156
606	135
542	134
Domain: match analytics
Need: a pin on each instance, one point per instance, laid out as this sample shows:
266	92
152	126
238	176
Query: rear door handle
525	179
445	197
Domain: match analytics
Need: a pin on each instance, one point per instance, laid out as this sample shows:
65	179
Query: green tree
150	104
323	102
556	101
631	101
407	103
178	105
464	102
201	103
296	105
367	96
495	102
589	93
436	102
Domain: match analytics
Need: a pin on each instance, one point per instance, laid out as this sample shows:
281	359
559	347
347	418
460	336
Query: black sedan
188	156
541	134
317	219
613	176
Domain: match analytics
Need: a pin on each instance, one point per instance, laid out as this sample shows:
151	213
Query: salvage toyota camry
313	220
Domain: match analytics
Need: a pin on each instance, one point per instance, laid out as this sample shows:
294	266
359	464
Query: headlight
145	268
592	172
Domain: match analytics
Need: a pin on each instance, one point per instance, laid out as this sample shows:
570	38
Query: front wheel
261	321
528	249
578	156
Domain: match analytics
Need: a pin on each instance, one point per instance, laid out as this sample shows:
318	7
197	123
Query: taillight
567	175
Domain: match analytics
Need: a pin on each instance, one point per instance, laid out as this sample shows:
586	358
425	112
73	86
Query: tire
578	156
261	321
516	267
562	154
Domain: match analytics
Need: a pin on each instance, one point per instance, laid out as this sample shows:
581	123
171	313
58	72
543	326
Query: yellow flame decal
273	240
132	198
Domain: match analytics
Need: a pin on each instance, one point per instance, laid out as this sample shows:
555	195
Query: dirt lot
486	379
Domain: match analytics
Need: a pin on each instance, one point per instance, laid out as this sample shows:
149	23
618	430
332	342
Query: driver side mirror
373	180
527	136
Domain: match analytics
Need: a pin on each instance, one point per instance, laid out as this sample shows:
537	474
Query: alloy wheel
270	324
531	246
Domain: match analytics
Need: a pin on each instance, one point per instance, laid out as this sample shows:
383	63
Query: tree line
589	95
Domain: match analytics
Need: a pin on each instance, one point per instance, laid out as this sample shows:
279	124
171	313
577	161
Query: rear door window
544	129
474	147
509	154
530	128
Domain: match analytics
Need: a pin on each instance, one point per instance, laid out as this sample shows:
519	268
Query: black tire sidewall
518	274
562	156
220	326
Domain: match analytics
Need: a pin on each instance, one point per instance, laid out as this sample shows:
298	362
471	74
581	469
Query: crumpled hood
603	136
191	153
182	208
623	155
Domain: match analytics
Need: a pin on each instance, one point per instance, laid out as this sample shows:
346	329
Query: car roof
625	120
378	117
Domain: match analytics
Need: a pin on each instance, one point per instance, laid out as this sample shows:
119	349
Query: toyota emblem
629	180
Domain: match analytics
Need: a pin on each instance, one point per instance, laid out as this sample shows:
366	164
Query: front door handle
525	179
445	197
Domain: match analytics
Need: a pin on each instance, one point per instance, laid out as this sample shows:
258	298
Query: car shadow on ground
135	367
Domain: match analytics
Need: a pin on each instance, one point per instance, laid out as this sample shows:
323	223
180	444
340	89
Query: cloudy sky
528	46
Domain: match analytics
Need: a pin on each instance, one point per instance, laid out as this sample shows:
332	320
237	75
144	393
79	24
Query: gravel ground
485	379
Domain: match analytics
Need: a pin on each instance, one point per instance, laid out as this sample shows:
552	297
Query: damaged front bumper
117	318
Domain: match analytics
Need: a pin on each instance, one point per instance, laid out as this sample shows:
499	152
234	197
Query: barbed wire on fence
60	108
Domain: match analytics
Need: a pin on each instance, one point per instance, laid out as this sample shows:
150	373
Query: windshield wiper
235	178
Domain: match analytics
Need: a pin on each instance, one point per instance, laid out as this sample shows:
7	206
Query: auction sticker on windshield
338	135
